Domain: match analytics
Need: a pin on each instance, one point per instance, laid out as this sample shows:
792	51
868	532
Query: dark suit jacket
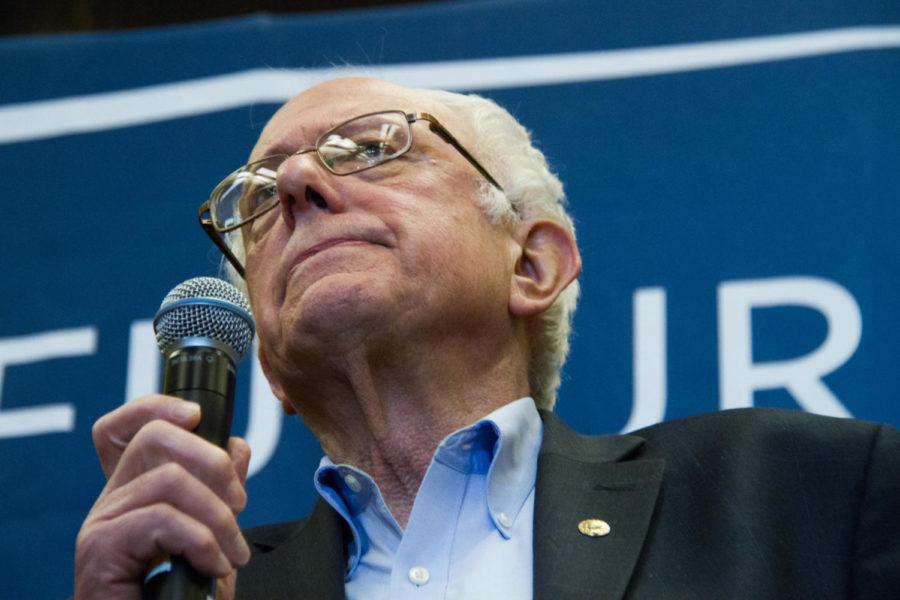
748	504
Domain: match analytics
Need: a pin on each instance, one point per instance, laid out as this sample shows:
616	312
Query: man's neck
388	419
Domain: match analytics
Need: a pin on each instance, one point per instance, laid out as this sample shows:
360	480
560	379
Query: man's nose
303	185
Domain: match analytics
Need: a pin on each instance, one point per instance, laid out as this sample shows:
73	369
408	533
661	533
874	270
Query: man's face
396	256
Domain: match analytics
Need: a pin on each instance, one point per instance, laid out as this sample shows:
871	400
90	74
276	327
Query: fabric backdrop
733	169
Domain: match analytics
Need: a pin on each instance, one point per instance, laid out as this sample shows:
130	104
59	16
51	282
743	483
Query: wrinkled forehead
305	117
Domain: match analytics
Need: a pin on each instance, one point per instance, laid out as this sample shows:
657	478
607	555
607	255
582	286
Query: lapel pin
594	527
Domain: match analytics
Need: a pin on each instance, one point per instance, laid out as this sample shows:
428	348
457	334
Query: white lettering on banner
264	422
143	360
648	358
50	418
739	376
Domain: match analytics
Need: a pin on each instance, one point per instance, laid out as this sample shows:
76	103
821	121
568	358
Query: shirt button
504	519
352	482
419	575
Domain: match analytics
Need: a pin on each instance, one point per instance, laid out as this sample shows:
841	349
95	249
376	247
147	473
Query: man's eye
373	149
255	197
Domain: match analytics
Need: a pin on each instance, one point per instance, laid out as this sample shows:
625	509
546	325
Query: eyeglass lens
353	146
365	142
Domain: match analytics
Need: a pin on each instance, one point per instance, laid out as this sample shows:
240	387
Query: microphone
203	328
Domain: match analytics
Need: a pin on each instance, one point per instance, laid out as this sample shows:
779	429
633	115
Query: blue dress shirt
469	534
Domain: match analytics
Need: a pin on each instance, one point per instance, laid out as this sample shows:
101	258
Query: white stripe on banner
96	112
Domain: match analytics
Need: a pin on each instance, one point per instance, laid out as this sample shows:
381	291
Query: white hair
530	191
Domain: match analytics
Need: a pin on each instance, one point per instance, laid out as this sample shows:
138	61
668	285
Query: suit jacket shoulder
740	504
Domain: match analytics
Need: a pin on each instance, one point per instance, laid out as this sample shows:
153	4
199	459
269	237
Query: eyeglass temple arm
208	227
440	130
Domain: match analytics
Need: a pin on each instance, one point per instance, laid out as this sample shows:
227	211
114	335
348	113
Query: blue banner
733	171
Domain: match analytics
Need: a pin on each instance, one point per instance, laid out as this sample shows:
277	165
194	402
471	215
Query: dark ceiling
55	16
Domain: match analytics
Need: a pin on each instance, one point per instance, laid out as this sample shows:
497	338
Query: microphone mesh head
205	307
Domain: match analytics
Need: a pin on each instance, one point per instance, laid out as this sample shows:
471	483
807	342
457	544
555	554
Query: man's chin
335	308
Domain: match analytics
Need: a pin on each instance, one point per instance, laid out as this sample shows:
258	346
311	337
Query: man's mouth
348	234
324	245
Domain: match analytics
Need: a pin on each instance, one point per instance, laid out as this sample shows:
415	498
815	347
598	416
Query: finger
172	484
239	451
121	548
160	442
113	431
225	586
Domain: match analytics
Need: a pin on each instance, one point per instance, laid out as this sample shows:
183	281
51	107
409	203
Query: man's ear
277	390
548	261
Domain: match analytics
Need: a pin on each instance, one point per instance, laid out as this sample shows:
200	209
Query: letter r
739	376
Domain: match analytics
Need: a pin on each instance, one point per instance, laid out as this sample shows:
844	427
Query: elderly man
412	272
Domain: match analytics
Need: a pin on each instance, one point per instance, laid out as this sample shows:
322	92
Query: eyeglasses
355	145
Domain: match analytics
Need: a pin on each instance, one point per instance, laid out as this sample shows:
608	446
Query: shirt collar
348	490
513	470
504	444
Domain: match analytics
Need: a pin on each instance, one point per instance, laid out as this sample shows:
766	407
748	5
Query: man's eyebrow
279	148
309	134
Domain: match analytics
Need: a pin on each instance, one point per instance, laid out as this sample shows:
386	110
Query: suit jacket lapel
304	559
578	478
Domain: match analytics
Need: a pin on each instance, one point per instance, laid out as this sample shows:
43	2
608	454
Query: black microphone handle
204	375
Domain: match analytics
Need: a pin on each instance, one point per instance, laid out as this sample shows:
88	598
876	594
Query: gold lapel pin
594	527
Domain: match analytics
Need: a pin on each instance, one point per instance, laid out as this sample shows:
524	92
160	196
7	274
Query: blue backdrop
733	170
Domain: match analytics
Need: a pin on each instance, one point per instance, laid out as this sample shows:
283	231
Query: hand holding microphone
169	491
